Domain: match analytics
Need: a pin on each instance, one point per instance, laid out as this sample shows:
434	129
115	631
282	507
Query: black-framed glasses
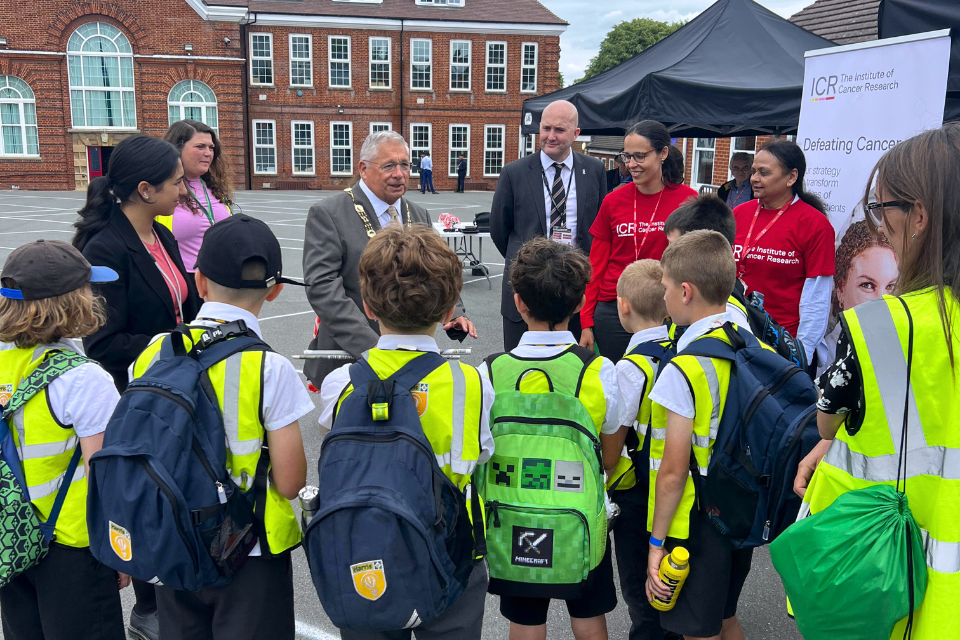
873	209
390	167
636	157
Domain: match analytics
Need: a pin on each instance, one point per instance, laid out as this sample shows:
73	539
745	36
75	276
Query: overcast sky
590	20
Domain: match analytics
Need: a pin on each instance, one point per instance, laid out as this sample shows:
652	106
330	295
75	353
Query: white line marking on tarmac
23	219
310	632
285	315
499	275
7	233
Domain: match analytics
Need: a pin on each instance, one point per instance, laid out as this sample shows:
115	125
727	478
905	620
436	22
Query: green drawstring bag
849	570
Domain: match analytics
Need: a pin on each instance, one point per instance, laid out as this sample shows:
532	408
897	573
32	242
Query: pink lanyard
636	227
747	247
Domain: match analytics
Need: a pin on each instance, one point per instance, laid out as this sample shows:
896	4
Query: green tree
626	40
560	74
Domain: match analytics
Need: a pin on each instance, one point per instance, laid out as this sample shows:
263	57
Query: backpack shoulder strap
46	372
362	374
223	350
716	348
655	350
585	355
489	362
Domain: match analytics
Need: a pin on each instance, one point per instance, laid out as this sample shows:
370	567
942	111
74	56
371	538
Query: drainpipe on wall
401	76
248	174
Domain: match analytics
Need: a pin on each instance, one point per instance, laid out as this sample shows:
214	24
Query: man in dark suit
737	191
618	175
461	172
554	193
337	231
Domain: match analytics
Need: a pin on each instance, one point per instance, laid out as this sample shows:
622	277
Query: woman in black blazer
117	228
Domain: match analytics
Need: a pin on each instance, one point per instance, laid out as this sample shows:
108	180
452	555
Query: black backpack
482	220
769	330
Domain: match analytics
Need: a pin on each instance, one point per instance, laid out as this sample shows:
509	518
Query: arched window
192	100
18	118
100	64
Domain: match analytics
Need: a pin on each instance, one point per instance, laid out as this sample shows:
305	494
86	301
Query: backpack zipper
772	504
169	395
597	449
748	414
173	502
377	438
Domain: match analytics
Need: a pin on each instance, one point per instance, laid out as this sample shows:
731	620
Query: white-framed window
261	58
441	3
301	133
703	154
526	145
747	145
528	67
421	139
341	148
301	60
493	147
376	127
264	146
496	66
338	58
459	145
460	61
100	67
192	100
421	63
18	118
380	63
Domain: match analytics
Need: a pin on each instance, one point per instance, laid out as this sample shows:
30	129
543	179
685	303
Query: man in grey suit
337	231
554	193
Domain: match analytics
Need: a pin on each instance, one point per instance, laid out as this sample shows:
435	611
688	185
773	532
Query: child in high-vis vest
410	281
47	305
549	280
262	399
688	400
642	313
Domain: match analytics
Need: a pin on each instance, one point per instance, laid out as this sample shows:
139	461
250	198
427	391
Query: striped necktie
558	198
394	216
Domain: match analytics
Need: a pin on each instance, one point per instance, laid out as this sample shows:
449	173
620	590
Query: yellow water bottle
674	570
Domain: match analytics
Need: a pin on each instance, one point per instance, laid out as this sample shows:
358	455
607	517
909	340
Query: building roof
612	144
843	21
495	11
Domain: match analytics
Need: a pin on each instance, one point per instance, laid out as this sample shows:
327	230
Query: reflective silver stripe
658	434
703	471
39	491
804	511
942	557
890	369
457	463
21	431
231	409
47	450
443	460
710	372
940	462
701	441
641	428
156	356
655	466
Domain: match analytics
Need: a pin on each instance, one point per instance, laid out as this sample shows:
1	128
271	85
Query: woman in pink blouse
209	190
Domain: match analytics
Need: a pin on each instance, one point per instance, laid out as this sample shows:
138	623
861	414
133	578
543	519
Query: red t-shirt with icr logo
798	246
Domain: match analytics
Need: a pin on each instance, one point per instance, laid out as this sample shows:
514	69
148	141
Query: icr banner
861	100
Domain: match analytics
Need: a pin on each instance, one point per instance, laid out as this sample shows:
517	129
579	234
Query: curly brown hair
550	278
27	323
217	176
409	277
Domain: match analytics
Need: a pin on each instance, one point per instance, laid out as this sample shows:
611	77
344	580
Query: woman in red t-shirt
629	227
785	244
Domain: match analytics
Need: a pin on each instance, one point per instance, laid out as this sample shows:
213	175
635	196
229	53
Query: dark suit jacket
462	168
138	304
519	211
613	179
725	188
333	241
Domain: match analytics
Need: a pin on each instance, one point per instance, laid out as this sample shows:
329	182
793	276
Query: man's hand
586	338
807	466
463	323
655	586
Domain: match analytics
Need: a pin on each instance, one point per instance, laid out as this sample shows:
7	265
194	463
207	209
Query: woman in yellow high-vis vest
917	207
46	305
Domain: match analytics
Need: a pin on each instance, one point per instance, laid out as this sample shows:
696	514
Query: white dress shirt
379	206
426	163
546	344
566	175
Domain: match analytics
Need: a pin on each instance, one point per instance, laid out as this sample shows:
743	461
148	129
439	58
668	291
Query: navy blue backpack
161	506
391	545
769	424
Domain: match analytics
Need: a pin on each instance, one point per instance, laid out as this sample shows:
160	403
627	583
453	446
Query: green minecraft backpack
543	487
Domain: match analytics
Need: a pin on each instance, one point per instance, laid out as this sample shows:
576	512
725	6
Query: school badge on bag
368	579
421	396
120	542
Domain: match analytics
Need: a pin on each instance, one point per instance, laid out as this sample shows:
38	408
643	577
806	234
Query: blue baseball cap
46	269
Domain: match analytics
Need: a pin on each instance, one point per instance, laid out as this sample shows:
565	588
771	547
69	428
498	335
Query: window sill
263	86
4	157
304	175
268	175
421	89
501	92
460	91
339	88
381	88
301	86
104	129
529	91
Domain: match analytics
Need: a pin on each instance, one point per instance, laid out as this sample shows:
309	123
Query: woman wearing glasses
206	175
629	227
887	342
785	244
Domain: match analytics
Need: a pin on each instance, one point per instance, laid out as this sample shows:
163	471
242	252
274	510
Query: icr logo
824	86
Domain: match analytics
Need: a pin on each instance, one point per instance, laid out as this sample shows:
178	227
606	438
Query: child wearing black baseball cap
60	403
239	269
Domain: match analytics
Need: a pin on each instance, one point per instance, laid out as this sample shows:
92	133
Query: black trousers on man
461	178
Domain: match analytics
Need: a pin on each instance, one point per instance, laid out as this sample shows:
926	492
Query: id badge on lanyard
562	235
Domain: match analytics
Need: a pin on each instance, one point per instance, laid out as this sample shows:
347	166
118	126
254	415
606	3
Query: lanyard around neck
171	279
747	247
208	212
636	227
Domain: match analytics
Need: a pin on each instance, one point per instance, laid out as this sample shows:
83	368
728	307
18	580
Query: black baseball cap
46	269
230	243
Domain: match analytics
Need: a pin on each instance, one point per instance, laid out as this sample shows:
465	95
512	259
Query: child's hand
808	465
655	586
123	581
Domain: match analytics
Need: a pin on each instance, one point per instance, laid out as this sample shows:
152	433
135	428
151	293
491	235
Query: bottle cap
680	555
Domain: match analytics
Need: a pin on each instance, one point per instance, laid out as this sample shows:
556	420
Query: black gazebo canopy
734	70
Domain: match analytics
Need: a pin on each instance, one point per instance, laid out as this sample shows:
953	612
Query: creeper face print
536	474
568	476
503	471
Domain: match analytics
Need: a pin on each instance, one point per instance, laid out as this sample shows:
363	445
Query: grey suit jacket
333	241
518	212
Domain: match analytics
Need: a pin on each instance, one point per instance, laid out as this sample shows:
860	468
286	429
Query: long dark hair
659	139
790	156
924	170
136	159
217	176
